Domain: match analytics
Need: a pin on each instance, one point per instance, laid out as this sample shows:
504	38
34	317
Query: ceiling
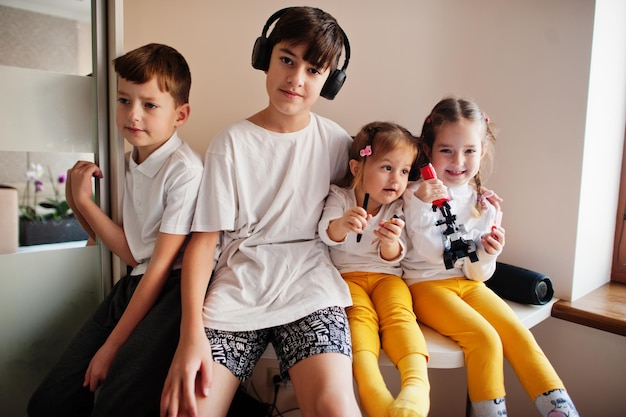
70	9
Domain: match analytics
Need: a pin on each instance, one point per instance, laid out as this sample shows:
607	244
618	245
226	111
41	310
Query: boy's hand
73	175
68	191
79	182
189	375
99	367
431	190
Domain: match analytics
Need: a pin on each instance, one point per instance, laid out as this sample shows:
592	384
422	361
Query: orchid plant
56	208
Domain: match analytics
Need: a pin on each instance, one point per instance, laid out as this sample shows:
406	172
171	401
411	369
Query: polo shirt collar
157	159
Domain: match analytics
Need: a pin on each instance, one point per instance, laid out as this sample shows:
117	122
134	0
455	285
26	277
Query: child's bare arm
191	370
166	249
111	234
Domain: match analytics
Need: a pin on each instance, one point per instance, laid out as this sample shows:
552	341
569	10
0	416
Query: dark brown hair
312	27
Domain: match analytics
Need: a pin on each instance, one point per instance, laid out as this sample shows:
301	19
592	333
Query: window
619	252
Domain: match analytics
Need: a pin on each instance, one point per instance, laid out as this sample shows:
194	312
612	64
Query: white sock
556	401
489	408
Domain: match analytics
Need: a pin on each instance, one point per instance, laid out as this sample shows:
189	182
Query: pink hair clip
367	151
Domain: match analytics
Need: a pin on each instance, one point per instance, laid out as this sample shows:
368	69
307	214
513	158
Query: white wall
526	62
604	139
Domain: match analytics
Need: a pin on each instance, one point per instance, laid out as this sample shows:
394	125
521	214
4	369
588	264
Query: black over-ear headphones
262	52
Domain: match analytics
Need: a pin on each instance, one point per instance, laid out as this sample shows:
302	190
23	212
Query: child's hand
75	175
353	220
99	367
79	187
491	197
68	191
191	372
493	242
388	231
388	234
431	190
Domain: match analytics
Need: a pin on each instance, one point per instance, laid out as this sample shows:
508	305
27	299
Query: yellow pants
382	309
487	329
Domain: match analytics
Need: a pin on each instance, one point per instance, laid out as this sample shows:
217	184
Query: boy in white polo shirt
125	348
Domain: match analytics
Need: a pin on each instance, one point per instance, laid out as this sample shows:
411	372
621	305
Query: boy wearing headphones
263	189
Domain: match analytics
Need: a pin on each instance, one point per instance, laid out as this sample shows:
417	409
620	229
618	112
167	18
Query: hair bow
367	151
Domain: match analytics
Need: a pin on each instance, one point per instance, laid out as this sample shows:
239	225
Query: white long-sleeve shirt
424	258
348	255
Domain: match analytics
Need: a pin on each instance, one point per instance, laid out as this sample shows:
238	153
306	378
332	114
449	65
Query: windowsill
52	246
603	309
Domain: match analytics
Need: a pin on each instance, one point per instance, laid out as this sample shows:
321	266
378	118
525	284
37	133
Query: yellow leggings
382	309
486	328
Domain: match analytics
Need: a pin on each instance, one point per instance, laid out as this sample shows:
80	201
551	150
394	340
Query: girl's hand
389	231
493	242
491	197
353	220
388	234
431	190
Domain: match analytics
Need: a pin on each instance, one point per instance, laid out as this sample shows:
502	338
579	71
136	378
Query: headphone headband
262	52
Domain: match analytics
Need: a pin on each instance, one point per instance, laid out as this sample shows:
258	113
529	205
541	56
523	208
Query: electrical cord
273	410
277	381
291	410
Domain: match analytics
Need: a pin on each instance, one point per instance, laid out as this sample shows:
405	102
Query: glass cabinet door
49	117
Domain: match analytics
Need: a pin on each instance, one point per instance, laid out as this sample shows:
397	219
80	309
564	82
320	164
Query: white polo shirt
159	196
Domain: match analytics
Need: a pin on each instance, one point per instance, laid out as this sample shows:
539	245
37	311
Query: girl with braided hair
456	138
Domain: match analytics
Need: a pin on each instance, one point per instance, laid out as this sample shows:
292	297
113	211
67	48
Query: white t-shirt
348	255
160	196
266	191
424	258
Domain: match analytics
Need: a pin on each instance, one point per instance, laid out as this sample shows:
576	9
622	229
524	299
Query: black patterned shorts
324	331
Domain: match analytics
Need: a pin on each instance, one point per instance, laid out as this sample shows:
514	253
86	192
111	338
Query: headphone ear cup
261	54
333	84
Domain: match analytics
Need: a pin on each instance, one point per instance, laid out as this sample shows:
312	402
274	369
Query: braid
478	208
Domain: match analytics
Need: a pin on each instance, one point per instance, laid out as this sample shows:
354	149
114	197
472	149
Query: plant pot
43	232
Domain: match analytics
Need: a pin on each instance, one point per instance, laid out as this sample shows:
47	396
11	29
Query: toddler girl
362	224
